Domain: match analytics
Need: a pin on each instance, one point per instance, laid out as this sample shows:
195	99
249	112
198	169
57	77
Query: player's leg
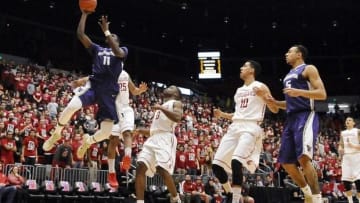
222	160
348	190
74	105
127	125
310	128
113	143
288	159
145	167
357	184
126	160
166	150
242	157
103	133
140	179
108	114
169	182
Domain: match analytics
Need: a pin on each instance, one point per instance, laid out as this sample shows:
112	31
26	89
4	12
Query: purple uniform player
302	85
102	88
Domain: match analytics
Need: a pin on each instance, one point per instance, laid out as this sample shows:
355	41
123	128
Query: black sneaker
229	197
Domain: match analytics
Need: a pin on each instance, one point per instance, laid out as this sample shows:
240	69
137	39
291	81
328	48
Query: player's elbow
322	96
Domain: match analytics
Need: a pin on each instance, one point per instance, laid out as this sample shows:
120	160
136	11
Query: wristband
107	33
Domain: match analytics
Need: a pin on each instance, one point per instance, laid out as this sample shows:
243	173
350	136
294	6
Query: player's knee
141	168
304	161
220	173
161	171
348	185
237	172
357	184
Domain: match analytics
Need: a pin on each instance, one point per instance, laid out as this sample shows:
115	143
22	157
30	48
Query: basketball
88	5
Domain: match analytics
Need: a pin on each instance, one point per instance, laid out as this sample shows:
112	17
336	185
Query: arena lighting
340	106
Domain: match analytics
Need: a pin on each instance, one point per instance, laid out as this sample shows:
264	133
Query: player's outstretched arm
220	114
104	24
84	39
174	115
137	90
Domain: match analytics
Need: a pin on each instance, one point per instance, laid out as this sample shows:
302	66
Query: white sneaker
50	143
84	146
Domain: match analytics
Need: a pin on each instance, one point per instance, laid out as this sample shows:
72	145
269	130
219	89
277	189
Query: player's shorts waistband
247	121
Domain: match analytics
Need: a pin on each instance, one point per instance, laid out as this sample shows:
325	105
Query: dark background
164	36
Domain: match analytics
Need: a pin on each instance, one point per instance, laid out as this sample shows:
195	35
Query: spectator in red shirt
200	190
29	155
180	166
192	163
189	191
8	149
15	178
75	144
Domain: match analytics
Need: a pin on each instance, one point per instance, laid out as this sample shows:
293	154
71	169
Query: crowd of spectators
31	99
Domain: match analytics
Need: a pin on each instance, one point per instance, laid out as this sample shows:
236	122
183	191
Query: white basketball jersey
350	136
161	122
248	106
123	97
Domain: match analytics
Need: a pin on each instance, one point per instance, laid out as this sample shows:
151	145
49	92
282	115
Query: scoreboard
210	65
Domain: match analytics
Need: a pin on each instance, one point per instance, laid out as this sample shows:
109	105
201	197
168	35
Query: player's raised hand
104	23
143	87
217	113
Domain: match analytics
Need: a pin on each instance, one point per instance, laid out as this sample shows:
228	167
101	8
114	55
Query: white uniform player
245	131
349	147
160	148
241	145
351	159
125	112
123	130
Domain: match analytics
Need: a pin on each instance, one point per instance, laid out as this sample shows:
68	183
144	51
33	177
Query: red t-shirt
74	146
189	186
30	146
191	159
7	156
181	160
94	152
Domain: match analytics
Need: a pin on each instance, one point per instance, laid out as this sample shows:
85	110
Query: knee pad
220	173
237	172
357	183
347	185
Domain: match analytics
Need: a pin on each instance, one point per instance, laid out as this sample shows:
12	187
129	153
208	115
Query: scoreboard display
210	65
